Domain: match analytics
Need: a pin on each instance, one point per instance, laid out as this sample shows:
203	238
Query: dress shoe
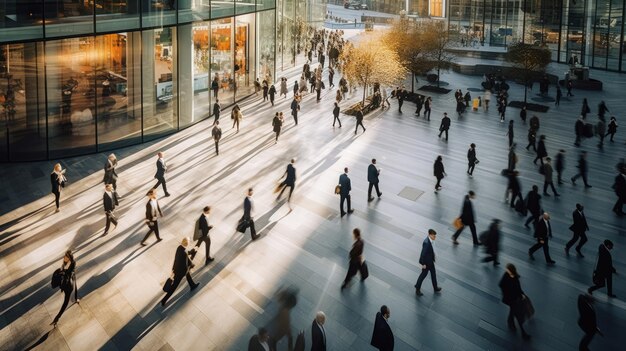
167	194
551	262
512	326
194	286
580	253
566	251
573	182
142	243
159	240
350	210
370	199
54	323
381	194
556	195
546	194
254	237
418	292
343	214
588	186
163	303
530	255
343	286
454	241
437	289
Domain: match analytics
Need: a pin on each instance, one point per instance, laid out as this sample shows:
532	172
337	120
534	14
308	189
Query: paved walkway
307	245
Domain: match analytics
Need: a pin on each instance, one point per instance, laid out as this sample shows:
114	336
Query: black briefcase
365	272
167	287
242	225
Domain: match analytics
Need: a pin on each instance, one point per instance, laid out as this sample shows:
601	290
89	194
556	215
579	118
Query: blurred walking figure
382	337
67	283
217	135
153	212
109	200
236	116
582	170
201	234
277	124
543	232
491	240
439	172
604	270
290	180
336	115
180	269
57	181
587	321
612	129
467	218
533	205
356	259
560	165
160	173
110	176
260	341
247	214
511	133
217	109
513	296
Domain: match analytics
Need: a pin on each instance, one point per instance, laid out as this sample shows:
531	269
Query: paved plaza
305	244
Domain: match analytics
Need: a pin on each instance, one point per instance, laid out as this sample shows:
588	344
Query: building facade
588	31
84	76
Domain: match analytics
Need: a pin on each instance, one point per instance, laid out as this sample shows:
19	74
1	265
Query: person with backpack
67	283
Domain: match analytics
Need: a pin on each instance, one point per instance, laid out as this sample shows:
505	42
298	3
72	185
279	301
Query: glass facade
590	32
83	76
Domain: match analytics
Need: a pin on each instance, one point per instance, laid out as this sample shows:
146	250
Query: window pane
185	74
157	13
117	15
245	55
68	17
222	66
222	8
21	20
201	65
267	46
71	93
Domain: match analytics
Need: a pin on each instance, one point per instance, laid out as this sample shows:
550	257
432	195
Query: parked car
357	5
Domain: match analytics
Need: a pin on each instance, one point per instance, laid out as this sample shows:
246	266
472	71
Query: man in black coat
492	242
543	231
359	120
603	273
619	186
533	205
336	115
382	337
216	133
295	107
587	321
217	108
153	212
109	200
559	165
372	179
467	218
471	159
201	234
318	334
180	269
582	169
512	158
356	258
160	173
445	125
290	180
401	97
541	150
344	194
579	227
427	261
247	213
260	341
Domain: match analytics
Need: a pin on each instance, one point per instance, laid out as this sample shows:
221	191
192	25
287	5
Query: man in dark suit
290	180
344	194
579	227
533	205
427	261
587	321
260	341
619	186
582	170
336	115
603	273
318	334
467	218
153	212
356	258
295	107
217	109
180	269
560	165
372	178
201	234
382	337
216	133
160	173
247	213
359	120
471	159
543	231
445	125
109	200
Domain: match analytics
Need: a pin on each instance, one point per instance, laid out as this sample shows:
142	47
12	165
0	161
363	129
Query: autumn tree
437	43
528	59
371	61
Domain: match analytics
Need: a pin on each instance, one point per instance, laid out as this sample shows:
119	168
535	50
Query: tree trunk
364	92
438	74
525	91
412	82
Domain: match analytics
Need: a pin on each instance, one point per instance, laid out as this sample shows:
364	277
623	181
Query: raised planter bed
529	106
591	84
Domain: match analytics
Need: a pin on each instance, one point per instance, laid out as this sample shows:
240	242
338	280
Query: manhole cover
410	193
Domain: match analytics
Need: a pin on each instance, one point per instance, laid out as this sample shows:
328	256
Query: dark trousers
577	235
438	182
359	123
619	204
510	140
57	197
585	341
336	119
427	115
515	312
433	277
252	229
216	118
285	185
175	283
341	201
353	268
207	245
318	92
515	195
472	229
369	190
545	187
295	116
579	175
217	148
66	300
110	219
153	228
611	134
531	143
559	175
534	217
546	249
538	158
400	102
470	167
601	136
277	134
160	181
608	282
443	131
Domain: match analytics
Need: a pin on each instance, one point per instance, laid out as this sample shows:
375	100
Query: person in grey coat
547	177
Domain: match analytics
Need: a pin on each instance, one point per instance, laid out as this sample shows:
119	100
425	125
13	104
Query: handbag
57	277
458	223
365	272
197	233
338	189
279	187
167	287
528	310
242	225
597	279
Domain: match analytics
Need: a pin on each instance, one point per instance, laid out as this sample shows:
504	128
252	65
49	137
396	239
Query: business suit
336	116
467	218
344	194
471	160
543	231
604	271
152	214
109	200
217	135
356	260
318	337
290	181
547	179
247	215
255	344
579	227
217	109
68	284
427	258
382	337
445	126
359	121
110	176
533	205
559	166
204	227
182	265
587	322
582	171
541	151
295	106
372	178
438	172
160	175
